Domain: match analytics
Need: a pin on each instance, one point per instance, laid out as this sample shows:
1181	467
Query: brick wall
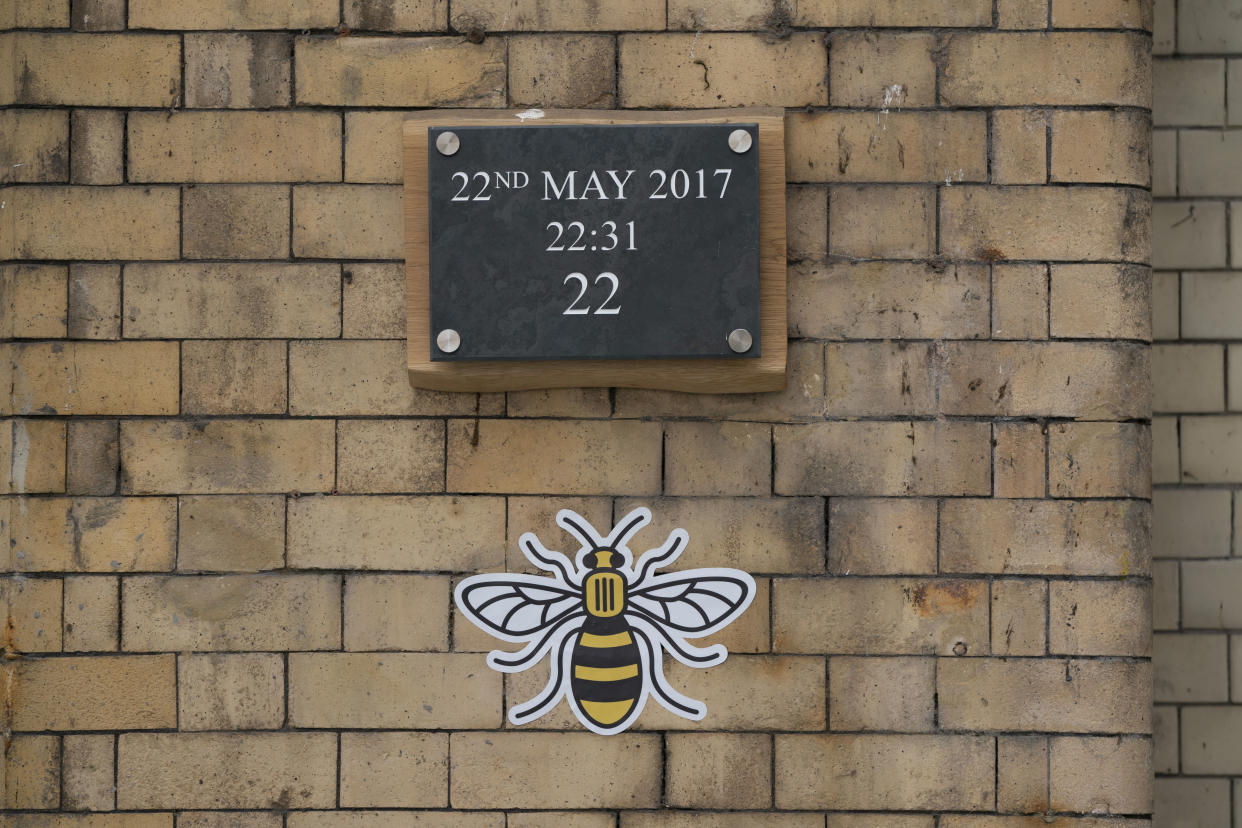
233	526
1197	382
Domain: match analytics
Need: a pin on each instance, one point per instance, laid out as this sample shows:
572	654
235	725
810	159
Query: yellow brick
882	222
538	515
897	147
34	145
30	772
233	377
396	612
396	819
230	691
373	305
1019	301
92	613
1089	538
96	378
1099	460
881	536
719	770
93	534
378	71
396	15
875	772
94	693
125	70
33	304
237	71
98	148
1101	301
536	15
373	148
35	14
905	13
668	71
246	222
90	223
232	300
88	772
882	70
1003	69
1106	147
95	301
880	616
234	146
130	820
1099	618
390	456
544	770
1018	618
559	402
32	608
882	694
463	534
1101	774
394	690
348	220
717	459
1018	460
806	222
224	14
874	820
99	15
1019	146
254	770
718	819
1022	774
37	461
228	456
231	612
1093	14
570	71
1022	14
561	819
1058	223
231	533
889	459
889	300
229	819
394	770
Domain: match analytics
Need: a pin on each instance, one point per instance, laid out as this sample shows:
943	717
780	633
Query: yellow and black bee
606	621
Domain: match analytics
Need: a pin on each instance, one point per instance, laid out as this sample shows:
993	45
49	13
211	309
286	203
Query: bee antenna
587	536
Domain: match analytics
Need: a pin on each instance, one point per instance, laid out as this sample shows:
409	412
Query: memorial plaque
594	241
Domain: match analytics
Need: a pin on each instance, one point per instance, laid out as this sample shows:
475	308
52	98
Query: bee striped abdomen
606	681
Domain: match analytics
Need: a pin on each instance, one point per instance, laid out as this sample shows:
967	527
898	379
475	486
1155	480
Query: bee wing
515	607
696	602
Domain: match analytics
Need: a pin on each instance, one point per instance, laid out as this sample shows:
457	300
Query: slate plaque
594	241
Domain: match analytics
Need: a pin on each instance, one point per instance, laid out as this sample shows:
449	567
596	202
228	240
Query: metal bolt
448	340
448	144
739	141
740	341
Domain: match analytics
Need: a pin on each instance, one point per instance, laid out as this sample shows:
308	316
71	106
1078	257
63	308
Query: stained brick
348	221
719	770
126	70
1099	460
34	145
243	222
1101	774
1101	301
31	772
92	534
90	223
881	536
882	70
882	694
92	613
237	71
536	15
373	305
572	71
223	14
230	691
95	301
1107	147
390	456
32	606
404	770
904	13
98	147
396	15
225	533
88	772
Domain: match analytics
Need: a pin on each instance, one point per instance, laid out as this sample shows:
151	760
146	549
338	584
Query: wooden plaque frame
717	376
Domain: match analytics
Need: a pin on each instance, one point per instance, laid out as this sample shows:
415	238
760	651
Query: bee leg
688	654
668	698
555	688
516	662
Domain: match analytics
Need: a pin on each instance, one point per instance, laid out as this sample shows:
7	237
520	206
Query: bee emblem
605	621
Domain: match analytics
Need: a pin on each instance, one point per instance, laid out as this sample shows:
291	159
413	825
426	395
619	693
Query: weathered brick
719	770
881	378
534	15
37	456
1166	753
253	770
241	222
540	770
881	694
875	771
237	71
897	147
230	691
396	15
32	608
32	301
401	770
882	70
1197	800
233	377
227	456
794	686
1189	234
806	222
348	221
1165	463
696	71
1055	223
1003	69
30	772
430	71
1166	306
393	690
88	772
1188	92
90	223
1110	147
1205	302
875	820
96	378
98	149
906	214
1018	618
1188	378
1101	301
1090	14
233	612
93	458
232	300
94	301
98	15
94	693
888	300
561	819
717	459
36	14
1044	694
880	616
92	534
559	402
1088	538
1019	146
1191	667
223	14
718	819
92	613
572	71
127	820
1101	774
593	457
234	146
390	456
1022	774
1206	165
124	70
889	459
1209	589
373	302
231	533
903	13
1022	14
1205	27
373	148
231	819
34	145
881	536
1099	460
538	515
1166	609
1019	460
396	612
1164	163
